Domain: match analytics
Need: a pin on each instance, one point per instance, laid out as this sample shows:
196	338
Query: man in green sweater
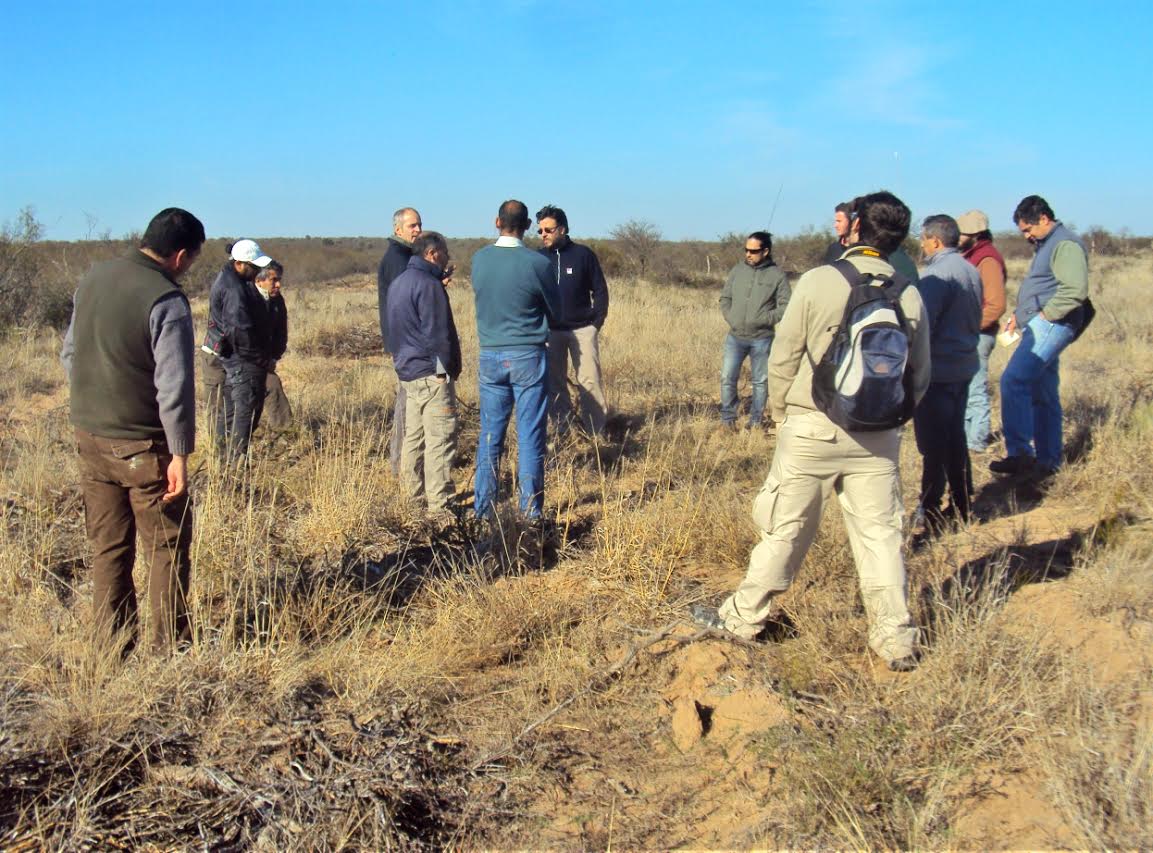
1051	312
753	302
516	297
128	353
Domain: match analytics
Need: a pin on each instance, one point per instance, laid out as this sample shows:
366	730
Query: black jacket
584	295
245	321
420	322
394	262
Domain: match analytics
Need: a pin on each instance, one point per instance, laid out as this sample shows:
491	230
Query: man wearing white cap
238	319
978	249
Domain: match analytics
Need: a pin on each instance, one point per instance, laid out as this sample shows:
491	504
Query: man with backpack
1053	309
849	363
950	287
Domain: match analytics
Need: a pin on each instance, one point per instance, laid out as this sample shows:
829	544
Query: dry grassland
361	679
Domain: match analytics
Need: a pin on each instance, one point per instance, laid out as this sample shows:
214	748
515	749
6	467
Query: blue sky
294	118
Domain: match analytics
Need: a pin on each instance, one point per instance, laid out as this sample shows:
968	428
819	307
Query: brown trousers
123	481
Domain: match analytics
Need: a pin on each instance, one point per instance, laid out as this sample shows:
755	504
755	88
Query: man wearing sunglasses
574	333
752	302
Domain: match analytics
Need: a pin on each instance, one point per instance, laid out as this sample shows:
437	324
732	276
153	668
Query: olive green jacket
754	299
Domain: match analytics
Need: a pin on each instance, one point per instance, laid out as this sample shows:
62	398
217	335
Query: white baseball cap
250	252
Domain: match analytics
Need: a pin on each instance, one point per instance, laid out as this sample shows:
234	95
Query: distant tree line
38	276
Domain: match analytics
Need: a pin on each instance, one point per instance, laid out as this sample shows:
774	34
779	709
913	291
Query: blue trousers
1031	395
736	351
508	380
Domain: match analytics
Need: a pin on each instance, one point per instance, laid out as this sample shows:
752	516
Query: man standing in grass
753	301
841	227
815	456
241	317
426	354
406	227
950	288
584	299
977	248
1051	312
128	353
516	298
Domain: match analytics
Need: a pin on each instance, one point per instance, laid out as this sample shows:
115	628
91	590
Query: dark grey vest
1040	284
113	388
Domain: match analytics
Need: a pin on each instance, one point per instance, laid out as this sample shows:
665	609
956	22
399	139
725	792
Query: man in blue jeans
516	296
1050	313
752	302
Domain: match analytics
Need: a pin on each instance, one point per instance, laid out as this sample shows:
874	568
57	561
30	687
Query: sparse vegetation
363	679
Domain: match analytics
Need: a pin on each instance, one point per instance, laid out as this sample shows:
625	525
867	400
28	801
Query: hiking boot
904	664
1013	465
707	617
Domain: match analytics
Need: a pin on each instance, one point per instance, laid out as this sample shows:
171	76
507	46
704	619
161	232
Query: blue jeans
508	379
736	350
1030	392
978	413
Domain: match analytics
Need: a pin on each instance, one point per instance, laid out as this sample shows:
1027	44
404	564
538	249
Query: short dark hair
944	228
428	240
551	211
513	216
764	238
273	266
882	220
1031	209
171	230
845	207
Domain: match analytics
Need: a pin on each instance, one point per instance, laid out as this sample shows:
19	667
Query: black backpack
862	382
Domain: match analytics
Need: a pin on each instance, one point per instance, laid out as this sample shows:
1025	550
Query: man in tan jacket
815	457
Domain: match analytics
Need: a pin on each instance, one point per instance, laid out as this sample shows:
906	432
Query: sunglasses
543	231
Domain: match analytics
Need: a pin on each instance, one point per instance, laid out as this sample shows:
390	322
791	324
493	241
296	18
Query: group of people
948	314
535	311
129	353
247	335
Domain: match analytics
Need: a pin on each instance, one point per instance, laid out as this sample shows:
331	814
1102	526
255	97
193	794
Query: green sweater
754	299
515	293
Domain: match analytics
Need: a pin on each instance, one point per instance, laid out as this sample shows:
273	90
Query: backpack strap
854	276
851	273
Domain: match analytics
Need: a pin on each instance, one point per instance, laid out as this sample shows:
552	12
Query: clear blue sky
293	118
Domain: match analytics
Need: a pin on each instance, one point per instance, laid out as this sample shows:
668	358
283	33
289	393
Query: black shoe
906	664
707	617
1014	465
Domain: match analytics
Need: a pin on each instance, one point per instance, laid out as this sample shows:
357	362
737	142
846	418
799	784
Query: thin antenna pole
777	200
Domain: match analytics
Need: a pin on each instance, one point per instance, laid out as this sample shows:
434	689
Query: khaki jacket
806	331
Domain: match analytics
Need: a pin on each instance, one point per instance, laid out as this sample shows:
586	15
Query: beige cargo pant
814	457
583	347
429	447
